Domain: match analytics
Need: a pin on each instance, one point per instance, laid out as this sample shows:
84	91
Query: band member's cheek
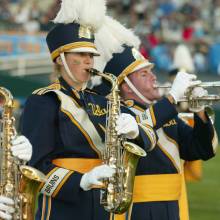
76	62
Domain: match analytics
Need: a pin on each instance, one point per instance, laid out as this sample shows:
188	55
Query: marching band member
22	149
158	180
64	121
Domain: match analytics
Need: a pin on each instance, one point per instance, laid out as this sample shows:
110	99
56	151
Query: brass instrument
17	181
202	84
194	101
118	154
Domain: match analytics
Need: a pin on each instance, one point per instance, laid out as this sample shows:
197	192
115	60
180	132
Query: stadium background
161	24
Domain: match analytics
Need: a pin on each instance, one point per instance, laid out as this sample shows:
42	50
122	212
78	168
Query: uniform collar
68	90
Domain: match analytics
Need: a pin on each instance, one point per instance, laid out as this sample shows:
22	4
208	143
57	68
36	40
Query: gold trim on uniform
97	110
80	165
169	156
62	183
172	140
75	102
138	119
41	91
83	131
43	207
138	108
157	187
102	127
151	135
170	123
49	208
48	199
76	93
70	46
129	70
48	176
152	115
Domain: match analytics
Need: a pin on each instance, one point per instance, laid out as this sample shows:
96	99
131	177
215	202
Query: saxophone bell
18	182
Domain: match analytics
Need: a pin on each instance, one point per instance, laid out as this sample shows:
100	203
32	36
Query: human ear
59	61
126	88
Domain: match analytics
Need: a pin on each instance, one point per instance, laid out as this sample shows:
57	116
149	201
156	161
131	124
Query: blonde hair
56	72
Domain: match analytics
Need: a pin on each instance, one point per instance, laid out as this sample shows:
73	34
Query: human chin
157	95
84	78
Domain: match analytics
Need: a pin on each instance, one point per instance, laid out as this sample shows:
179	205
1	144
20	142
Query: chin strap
133	88
70	74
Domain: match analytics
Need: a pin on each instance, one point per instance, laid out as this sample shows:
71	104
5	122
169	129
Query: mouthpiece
93	71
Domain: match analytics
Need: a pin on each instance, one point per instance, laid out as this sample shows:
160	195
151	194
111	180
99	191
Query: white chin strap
70	73
138	94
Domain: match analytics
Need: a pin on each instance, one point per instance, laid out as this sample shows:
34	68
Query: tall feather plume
122	34
110	38
84	12
69	11
183	58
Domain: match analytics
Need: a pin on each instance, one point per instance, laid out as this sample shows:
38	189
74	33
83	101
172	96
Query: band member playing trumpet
158	180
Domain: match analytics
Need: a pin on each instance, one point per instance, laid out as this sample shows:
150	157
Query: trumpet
202	84
207	99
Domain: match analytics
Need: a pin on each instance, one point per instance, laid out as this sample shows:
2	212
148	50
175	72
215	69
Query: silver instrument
206	100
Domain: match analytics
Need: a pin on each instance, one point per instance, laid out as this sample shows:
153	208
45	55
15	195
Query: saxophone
117	195
17	181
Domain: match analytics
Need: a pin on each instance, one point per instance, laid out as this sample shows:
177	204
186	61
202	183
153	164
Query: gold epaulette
42	91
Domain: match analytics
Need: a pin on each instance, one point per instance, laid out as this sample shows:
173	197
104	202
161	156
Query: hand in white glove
21	148
95	176
127	125
195	106
181	83
5	207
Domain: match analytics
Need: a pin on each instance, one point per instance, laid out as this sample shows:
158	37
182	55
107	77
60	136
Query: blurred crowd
164	26
30	16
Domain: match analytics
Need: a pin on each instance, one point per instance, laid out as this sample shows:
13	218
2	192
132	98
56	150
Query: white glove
5	207
94	176
21	148
195	106
181	83
127	125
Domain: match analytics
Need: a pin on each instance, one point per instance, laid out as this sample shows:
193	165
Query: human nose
153	76
88	59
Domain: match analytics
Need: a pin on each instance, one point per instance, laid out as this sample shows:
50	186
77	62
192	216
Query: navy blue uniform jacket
54	133
176	141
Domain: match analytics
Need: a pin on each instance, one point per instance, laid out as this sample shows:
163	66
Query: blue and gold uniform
159	175
158	184
65	128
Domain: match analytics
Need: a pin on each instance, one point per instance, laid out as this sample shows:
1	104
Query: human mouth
155	85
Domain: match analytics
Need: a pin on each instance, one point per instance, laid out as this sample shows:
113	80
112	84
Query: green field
204	196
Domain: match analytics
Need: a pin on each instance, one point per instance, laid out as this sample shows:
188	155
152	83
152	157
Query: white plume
122	34
183	59
110	39
69	11
84	12
100	62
